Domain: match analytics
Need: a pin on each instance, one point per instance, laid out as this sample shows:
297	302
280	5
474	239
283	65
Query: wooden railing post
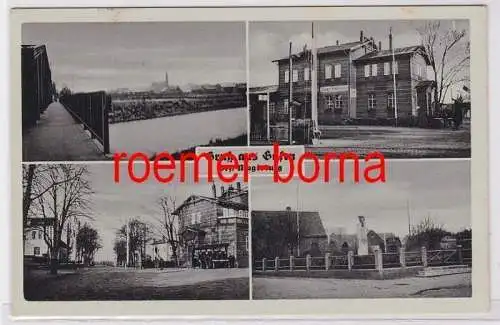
402	257
379	263
424	256
350	260
308	262
327	261
460	256
291	262
264	264
276	264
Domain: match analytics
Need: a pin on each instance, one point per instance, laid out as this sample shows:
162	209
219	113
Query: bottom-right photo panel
407	237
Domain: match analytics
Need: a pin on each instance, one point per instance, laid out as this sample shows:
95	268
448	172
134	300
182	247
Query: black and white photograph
408	238
398	87
93	89
89	238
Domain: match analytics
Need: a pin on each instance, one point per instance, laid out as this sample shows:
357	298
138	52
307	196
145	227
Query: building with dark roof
355	81
274	233
216	225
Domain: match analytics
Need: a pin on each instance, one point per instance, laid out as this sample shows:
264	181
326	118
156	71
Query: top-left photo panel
90	90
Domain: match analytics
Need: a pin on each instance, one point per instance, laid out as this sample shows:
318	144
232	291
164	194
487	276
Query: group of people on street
212	259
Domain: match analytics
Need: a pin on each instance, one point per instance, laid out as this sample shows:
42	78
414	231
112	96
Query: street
400	142
112	283
456	285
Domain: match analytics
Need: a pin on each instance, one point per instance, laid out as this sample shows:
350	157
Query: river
177	133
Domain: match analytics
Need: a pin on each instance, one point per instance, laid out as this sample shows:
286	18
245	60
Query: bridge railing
92	110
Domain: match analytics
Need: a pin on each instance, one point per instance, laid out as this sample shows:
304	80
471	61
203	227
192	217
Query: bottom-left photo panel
93	233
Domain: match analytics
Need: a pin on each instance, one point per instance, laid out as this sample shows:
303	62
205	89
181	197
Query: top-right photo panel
398	87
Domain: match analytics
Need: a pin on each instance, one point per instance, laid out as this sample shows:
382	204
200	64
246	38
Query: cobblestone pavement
57	137
395	142
108	283
456	285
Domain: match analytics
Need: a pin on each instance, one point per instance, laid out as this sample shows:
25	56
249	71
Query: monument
362	237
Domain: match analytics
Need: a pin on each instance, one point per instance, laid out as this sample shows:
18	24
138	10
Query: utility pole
314	86
409	218
290	100
394	95
128	243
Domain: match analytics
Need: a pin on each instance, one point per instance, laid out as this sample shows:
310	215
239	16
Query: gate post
308	262
327	261
424	256
264	264
350	258
402	257
276	264
379	264
291	262
460	257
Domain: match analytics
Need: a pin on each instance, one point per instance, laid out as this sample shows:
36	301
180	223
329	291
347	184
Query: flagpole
298	223
314	84
290	100
394	95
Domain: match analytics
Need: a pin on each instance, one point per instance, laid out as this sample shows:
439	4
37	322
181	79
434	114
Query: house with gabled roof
215	225
355	80
274	233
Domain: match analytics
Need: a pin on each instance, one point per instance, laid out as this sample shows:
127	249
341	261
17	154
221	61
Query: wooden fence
375	261
91	109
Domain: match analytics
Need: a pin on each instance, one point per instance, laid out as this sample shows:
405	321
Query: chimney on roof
214	191
379	45
337	42
361	38
390	39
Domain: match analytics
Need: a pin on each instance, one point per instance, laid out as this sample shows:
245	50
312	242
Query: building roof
397	52
263	89
326	49
310	224
221	202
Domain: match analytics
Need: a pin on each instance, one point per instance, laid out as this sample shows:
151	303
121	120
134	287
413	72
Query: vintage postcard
249	162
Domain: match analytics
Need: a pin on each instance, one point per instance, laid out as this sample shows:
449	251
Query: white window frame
295	75
390	100
395	67
33	234
387	68
338	101
287	76
330	102
286	105
338	71
307	74
328	71
372	101
367	70
374	69
193	218
39	251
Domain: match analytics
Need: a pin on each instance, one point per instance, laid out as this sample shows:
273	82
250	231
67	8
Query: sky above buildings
107	56
436	189
269	41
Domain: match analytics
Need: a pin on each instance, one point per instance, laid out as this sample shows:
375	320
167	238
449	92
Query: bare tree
36	182
170	225
65	197
448	52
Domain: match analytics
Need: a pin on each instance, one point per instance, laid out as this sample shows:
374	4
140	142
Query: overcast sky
113	204
439	189
106	56
270	40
